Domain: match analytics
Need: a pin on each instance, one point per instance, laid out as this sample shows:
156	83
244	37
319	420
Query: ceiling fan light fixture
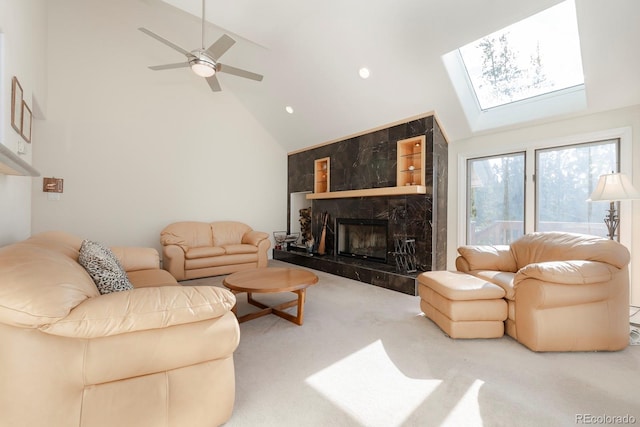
203	68
202	65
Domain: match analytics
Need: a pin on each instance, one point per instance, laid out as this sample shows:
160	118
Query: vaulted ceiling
310	52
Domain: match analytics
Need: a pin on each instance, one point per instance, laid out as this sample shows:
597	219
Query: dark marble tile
369	161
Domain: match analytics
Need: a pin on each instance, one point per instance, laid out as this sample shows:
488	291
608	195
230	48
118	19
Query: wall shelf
11	164
411	161
371	192
322	169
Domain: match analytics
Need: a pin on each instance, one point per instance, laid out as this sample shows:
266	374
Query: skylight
533	57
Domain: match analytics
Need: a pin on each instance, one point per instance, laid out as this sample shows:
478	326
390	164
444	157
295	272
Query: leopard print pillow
103	267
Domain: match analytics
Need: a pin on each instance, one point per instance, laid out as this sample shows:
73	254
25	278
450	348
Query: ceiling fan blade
165	41
169	66
238	72
214	84
217	49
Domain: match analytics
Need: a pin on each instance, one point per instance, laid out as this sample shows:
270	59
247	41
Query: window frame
467	179
537	152
624	134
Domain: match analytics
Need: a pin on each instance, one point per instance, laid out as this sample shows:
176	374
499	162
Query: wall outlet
22	149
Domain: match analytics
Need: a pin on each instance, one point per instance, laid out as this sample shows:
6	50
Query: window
529	70
565	175
538	55
495	199
565	178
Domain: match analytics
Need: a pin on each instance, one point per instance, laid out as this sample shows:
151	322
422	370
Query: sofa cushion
504	279
187	234
40	285
203	252
58	241
103	267
150	278
240	249
228	232
555	246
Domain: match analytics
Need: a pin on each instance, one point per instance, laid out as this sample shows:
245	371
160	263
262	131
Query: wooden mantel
370	192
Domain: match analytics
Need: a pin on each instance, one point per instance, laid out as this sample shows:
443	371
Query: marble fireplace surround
368	162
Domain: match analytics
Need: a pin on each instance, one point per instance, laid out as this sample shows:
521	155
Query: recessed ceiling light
364	72
289	109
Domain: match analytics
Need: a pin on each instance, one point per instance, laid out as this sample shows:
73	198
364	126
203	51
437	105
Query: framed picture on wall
27	119
16	105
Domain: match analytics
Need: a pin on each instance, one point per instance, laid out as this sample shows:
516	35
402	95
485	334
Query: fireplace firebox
362	238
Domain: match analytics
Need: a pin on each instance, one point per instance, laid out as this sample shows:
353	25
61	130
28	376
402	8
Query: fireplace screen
366	239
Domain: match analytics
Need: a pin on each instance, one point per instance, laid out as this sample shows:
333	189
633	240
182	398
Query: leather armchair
565	291
158	355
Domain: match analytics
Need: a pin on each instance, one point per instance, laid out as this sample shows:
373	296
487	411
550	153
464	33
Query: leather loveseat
192	249
159	354
564	291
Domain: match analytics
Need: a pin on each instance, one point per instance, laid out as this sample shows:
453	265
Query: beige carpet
366	356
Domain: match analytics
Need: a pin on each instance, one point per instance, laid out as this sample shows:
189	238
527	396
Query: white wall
139	149
506	140
23	34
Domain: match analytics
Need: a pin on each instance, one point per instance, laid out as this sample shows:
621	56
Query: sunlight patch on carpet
370	388
467	409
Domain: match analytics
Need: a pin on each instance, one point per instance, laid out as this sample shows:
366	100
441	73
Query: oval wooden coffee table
272	280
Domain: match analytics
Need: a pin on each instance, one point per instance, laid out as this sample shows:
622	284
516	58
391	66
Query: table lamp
613	187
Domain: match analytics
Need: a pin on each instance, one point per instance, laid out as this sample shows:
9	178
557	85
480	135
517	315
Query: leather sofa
564	291
160	354
192	249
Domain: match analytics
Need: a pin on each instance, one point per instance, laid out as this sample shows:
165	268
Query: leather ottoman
463	306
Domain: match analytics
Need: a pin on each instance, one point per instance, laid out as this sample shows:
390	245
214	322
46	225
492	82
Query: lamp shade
612	187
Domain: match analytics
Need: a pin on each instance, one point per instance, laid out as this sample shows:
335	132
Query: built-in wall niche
411	161
297	201
321	175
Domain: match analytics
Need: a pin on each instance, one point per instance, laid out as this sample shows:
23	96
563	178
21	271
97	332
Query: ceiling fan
204	62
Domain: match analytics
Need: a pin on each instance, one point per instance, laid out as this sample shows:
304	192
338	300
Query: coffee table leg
298	319
301	297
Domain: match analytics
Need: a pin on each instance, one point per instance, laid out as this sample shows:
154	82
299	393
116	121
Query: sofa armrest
260	239
486	257
254	237
567	272
137	258
173	261
142	309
